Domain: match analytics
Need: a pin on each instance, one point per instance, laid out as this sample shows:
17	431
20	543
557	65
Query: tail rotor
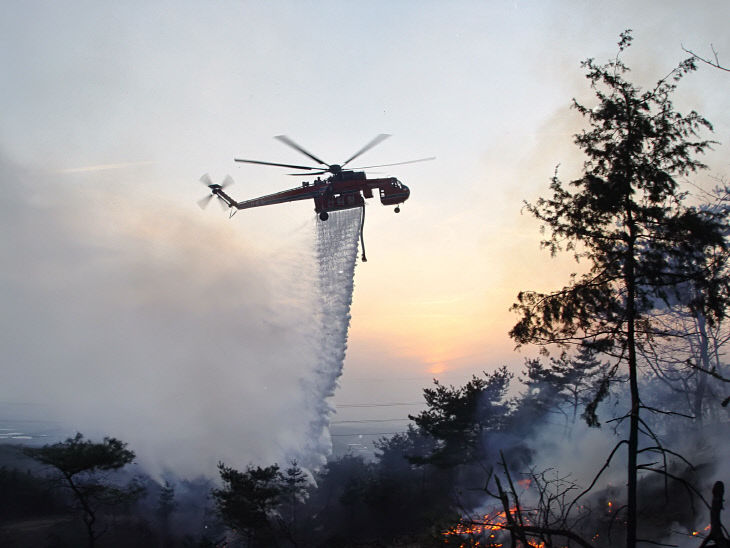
214	191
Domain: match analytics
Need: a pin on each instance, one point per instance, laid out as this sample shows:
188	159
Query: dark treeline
633	352
419	485
439	484
433	485
105	505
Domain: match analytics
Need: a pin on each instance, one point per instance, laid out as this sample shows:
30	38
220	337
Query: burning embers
491	531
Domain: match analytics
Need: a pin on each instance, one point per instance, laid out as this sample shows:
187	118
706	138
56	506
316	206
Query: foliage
261	502
79	461
461	419
76	455
248	498
294	486
627	217
564	385
166	505
166	501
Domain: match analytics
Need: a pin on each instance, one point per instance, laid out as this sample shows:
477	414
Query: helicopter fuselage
343	190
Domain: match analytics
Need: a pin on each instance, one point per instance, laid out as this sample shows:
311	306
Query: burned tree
627	218
717	534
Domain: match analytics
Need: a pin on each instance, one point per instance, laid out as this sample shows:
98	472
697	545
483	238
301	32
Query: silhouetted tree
564	385
408	499
79	461
294	486
23	494
248	500
166	505
342	487
625	216
461	419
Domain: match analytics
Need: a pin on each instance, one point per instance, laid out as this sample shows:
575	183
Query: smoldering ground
124	315
568	457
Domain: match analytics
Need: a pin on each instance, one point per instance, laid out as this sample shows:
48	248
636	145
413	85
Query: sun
437	368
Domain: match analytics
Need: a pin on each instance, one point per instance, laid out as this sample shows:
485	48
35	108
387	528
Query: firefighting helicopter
342	189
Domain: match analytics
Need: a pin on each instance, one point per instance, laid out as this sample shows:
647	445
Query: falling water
336	249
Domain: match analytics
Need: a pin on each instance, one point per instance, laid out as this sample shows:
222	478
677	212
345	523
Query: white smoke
194	341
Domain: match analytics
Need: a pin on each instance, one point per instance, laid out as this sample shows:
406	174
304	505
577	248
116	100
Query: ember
490	531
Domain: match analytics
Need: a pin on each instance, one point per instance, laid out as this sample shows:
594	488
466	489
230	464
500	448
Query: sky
129	311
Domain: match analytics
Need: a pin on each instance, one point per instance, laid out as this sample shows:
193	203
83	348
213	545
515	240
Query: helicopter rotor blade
399	163
205	201
301	174
228	181
284	139
206	180
273	164
379	139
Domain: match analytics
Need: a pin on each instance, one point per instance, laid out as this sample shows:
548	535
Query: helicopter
341	189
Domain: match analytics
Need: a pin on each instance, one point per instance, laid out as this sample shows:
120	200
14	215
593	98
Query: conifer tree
248	500
627	218
79	462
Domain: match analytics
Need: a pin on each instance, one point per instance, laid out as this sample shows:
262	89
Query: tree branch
598	475
715	63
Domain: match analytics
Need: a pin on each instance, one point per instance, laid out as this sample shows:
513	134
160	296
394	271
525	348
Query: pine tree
79	462
461	419
564	385
248	500
627	218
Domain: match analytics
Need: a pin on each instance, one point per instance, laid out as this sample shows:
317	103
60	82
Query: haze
129	312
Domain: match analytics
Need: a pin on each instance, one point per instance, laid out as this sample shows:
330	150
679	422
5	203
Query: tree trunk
630	282
716	536
699	394
631	518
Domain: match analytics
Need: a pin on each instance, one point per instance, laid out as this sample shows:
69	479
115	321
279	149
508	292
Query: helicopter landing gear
397	209
324	216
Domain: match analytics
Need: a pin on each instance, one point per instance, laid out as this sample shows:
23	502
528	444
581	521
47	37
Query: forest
616	434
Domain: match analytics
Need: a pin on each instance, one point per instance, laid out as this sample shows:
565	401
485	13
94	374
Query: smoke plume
126	315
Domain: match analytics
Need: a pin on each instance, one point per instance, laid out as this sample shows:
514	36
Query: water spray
336	251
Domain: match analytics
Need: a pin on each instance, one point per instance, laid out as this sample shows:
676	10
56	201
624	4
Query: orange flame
495	521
